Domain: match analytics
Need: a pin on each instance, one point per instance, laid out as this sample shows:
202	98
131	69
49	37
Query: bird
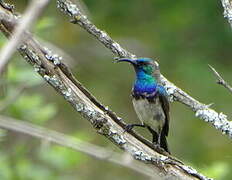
150	100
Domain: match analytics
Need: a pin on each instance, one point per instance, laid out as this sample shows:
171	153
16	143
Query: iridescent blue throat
144	84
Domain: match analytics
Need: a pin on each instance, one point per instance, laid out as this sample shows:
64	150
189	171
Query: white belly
150	114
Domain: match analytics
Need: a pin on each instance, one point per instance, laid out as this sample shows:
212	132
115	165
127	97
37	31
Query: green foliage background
184	36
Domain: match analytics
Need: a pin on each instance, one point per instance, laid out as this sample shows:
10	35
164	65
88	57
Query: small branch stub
220	80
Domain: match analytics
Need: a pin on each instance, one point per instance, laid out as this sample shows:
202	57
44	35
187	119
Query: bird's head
142	65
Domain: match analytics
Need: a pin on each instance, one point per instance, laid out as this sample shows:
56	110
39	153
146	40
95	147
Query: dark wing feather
165	105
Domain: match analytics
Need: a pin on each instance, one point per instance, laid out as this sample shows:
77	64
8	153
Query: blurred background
184	37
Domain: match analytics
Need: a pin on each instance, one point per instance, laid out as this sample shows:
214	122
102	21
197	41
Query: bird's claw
128	128
158	148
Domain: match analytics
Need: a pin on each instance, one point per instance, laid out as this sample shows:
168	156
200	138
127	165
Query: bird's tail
164	143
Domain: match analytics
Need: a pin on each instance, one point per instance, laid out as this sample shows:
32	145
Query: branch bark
202	111
56	73
227	5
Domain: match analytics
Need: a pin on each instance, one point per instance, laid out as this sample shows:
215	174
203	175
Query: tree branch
75	144
29	18
220	80
56	73
227	5
202	111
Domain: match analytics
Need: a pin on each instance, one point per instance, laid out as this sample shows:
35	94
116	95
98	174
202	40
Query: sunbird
150	100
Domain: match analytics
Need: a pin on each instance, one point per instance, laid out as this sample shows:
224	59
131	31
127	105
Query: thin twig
95	151
70	8
220	80
107	123
202	111
29	18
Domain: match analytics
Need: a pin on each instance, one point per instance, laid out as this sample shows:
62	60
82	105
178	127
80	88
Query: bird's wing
162	95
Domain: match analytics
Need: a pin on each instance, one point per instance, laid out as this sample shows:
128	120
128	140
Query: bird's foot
128	127
159	149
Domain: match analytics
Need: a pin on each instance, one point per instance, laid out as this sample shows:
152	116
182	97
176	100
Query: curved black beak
132	61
